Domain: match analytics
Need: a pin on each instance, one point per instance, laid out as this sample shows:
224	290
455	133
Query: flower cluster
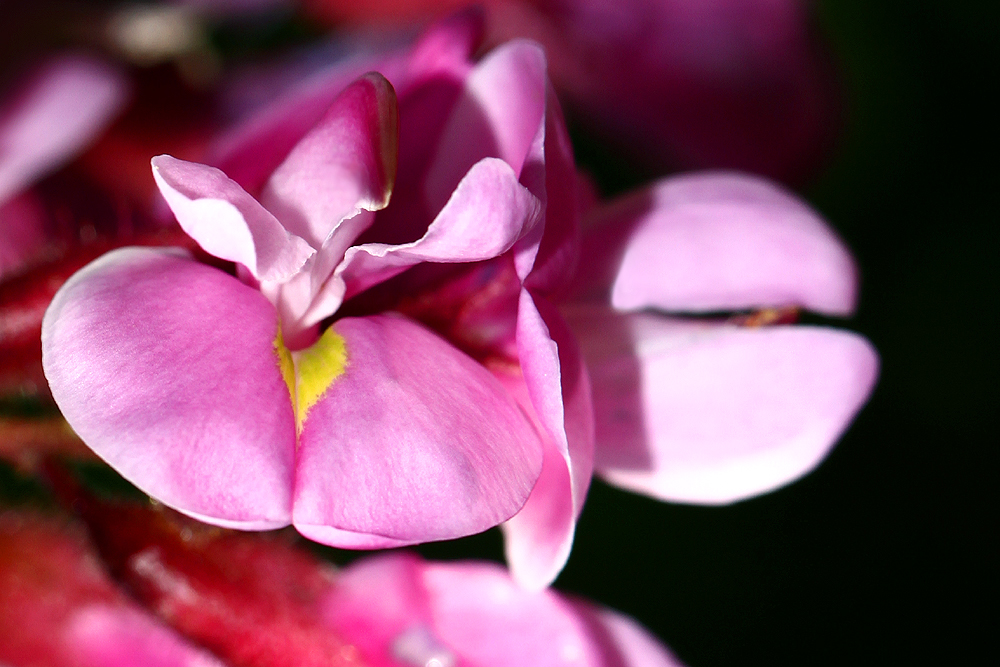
398	313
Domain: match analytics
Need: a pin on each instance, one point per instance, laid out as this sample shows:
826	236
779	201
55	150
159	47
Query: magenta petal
110	636
539	538
343	165
717	241
706	413
227	222
500	115
54	116
413	442
486	214
167	369
624	641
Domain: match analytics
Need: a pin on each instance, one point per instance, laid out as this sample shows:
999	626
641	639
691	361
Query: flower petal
488	212
167	369
62	108
705	413
538	539
412	442
717	241
624	641
346	163
501	114
226	221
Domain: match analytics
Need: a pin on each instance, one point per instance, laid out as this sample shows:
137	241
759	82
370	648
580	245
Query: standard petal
227	222
486	215
168	370
413	441
347	163
556	390
501	114
711	413
716	241
54	116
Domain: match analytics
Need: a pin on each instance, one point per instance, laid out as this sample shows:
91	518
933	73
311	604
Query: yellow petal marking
310	372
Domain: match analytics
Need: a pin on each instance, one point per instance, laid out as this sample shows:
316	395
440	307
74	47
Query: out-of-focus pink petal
60	110
346	163
105	636
227	222
412	442
539	538
625	642
167	369
486	214
23	233
712	413
500	114
716	241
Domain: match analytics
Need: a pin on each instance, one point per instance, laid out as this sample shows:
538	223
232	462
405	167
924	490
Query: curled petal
60	110
705	413
556	391
716	241
487	213
167	369
411	441
227	222
343	165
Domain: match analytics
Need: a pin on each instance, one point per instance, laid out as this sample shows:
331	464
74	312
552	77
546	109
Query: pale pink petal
486	214
716	241
60	110
539	538
501	114
413	442
167	369
112	636
713	413
625	642
227	222
345	164
483	617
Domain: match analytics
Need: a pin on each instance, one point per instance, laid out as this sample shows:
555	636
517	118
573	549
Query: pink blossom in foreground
227	398
448	394
58	109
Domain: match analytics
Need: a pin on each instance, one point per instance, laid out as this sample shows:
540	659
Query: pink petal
501	114
226	221
167	369
486	214
105	636
54	116
414	442
345	164
717	241
711	413
625	642
556	392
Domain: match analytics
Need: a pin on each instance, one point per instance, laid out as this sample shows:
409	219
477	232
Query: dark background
881	556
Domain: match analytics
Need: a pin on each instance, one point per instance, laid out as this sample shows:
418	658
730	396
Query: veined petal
556	391
413	441
60	110
712	413
343	165
227	222
716	241
486	214
167	368
500	115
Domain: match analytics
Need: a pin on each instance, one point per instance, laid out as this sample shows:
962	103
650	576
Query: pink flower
57	110
234	402
400	610
380	375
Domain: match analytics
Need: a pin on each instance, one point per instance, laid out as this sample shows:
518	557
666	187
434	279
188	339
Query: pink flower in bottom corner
374	373
399	611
